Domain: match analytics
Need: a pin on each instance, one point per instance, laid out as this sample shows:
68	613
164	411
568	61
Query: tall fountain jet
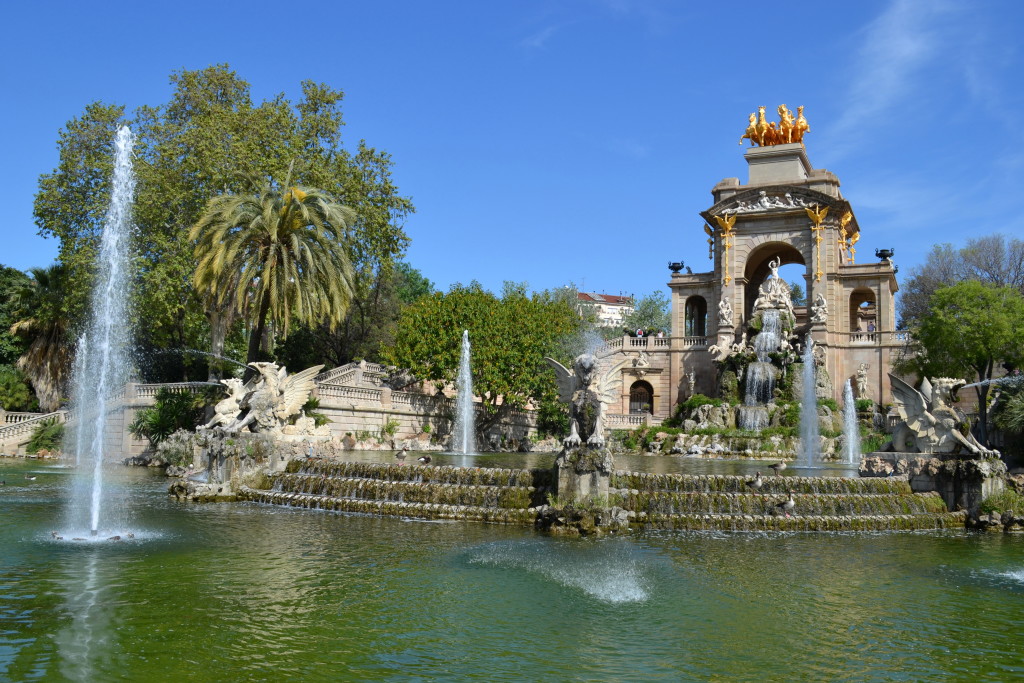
809	435
851	432
464	438
104	364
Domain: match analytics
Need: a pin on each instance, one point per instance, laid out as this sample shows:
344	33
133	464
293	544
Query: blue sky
573	141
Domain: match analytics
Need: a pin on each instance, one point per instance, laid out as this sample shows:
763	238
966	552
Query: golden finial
816	216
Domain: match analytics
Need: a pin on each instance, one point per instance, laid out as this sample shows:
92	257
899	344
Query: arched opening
863	311
757	269
696	322
641	397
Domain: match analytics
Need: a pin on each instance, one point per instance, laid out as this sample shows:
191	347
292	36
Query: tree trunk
220	320
256	335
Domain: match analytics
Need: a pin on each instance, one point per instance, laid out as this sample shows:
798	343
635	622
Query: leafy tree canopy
12	282
970	331
510	335
652	312
993	259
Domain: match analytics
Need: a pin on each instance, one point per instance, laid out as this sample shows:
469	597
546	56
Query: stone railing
863	338
360	394
661	342
334	375
15	418
151	390
20	431
870	338
620	421
695	342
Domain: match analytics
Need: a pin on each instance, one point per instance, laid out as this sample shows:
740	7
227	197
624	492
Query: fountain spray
464	437
104	364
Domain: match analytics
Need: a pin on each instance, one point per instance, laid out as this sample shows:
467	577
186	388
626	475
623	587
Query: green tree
970	330
510	336
796	293
15	393
209	139
12	282
42	325
652	312
993	259
279	255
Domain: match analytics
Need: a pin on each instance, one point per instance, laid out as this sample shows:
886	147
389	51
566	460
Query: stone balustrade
622	421
14	418
695	342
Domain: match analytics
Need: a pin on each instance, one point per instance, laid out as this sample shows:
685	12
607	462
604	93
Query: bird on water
400	455
425	459
756	482
777	467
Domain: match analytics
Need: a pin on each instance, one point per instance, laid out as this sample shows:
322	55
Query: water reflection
86	638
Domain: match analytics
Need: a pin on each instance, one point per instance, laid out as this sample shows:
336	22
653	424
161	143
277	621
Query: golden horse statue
764	133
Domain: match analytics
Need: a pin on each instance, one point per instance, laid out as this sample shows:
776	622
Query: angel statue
588	393
226	411
931	423
276	397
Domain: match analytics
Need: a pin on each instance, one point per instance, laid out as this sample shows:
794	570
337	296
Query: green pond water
249	592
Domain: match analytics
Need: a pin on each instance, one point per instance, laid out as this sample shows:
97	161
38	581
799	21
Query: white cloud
896	47
538	39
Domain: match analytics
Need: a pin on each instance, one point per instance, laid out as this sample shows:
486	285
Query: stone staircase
18	428
652	501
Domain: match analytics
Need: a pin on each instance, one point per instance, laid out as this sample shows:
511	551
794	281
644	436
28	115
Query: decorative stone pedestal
583	474
582	504
962	482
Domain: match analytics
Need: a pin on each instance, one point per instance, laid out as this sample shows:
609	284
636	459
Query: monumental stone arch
787	211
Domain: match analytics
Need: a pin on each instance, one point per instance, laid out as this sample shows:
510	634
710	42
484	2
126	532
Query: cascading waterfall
104	364
464	438
851	432
760	379
809	436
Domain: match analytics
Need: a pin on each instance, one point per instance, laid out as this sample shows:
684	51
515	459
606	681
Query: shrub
172	411
689	405
311	408
1005	500
389	428
15	393
46	437
864	405
872	442
831	403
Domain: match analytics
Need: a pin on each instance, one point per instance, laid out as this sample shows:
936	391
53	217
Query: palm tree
279	255
47	360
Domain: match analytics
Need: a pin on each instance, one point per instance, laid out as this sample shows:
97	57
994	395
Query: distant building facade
610	309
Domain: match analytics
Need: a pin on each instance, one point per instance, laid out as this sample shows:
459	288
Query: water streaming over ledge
753	414
103	363
464	436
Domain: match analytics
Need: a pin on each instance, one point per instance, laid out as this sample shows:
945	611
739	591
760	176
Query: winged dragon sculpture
588	392
273	397
931	423
226	411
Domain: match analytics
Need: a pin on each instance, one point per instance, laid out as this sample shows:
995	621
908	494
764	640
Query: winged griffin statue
588	392
272	398
930	420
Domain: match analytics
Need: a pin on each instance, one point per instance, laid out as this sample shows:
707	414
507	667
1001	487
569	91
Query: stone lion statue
588	393
931	423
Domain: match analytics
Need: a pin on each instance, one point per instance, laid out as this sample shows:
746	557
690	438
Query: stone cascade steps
724	502
652	501
406	491
827	505
946	520
502	496
473	513
772	484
